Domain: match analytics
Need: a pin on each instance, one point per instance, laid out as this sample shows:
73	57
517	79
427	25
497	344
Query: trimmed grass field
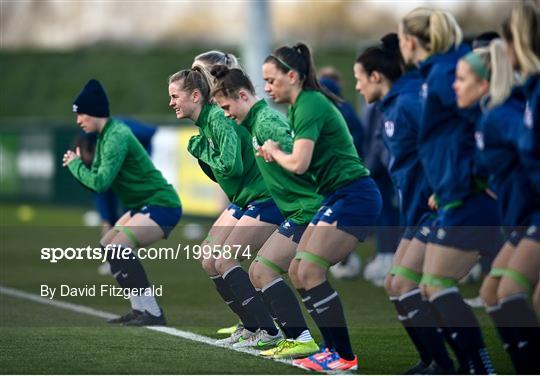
42	339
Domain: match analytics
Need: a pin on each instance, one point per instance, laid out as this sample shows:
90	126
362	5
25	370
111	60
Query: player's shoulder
119	133
119	127
312	104
313	98
218	122
268	114
216	113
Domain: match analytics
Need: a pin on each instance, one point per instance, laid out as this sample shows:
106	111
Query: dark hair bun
390	43
219	71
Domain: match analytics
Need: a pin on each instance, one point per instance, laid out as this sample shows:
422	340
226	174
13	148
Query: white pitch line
107	315
56	303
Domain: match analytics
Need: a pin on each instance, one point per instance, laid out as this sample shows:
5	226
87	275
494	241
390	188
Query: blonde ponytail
444	32
437	31
205	72
525	28
502	75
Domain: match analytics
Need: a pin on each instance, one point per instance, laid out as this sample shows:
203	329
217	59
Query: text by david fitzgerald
99	290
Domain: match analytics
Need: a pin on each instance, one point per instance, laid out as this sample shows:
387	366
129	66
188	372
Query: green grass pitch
42	339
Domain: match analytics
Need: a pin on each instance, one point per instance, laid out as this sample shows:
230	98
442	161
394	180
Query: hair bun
390	43
219	71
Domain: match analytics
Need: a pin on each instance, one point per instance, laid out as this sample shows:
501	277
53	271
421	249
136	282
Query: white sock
136	303
150	304
305	336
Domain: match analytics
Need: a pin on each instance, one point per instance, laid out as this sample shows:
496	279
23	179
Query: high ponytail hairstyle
228	82
502	74
491	63
207	60
215	57
298	58
192	79
522	28
384	58
436	30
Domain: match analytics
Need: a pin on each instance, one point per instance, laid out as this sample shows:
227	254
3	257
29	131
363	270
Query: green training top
121	163
226	148
295	195
335	161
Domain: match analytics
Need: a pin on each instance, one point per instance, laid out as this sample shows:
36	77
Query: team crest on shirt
389	128
527	116
255	143
211	143
532	230
479	137
441	234
292	134
424	90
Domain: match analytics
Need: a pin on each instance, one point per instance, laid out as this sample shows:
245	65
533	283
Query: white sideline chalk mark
56	303
107	315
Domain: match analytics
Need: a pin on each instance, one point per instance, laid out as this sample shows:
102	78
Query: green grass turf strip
49	330
35	338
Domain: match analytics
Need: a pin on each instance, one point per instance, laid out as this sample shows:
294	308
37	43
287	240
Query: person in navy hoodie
521	33
486	76
467	217
379	73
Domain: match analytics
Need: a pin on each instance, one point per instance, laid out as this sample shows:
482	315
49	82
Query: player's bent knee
209	267
222	265
266	277
293	270
430	284
405	279
293	266
513	282
388	285
536	300
296	282
251	271
266	270
255	281
488	291
508	287
108	237
255	275
431	290
401	285
312	269
310	275
423	291
428	291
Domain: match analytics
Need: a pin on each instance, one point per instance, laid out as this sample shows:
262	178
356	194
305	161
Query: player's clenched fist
71	155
